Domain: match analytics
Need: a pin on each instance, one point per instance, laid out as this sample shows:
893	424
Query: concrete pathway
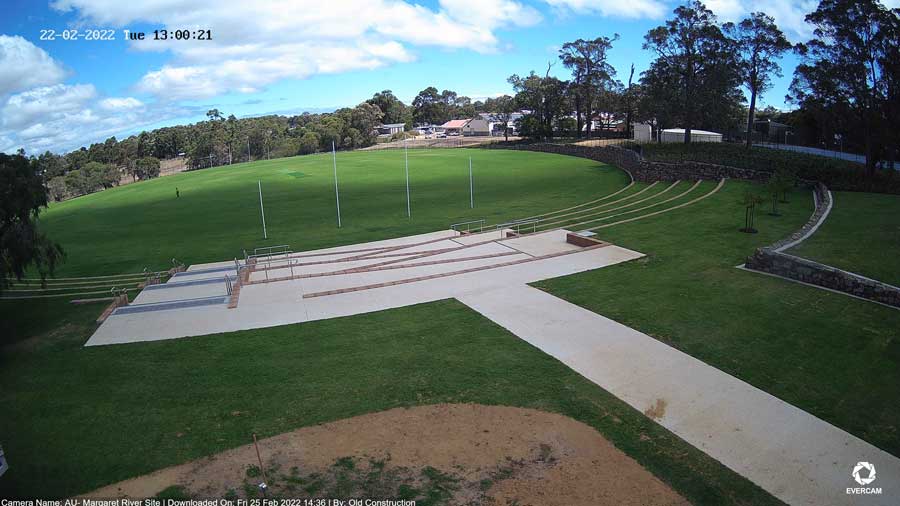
791	454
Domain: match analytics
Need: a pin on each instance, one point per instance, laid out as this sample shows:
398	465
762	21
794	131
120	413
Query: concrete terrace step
447	274
180	284
202	271
168	305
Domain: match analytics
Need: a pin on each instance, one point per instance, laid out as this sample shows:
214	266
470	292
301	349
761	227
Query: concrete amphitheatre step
174	304
447	274
382	267
399	258
600	208
605	216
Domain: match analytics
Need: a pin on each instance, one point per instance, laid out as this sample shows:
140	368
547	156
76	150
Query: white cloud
27	108
789	15
63	117
7	145
120	103
257	43
24	65
491	13
616	8
726	10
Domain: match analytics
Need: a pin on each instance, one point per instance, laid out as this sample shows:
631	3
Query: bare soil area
439	454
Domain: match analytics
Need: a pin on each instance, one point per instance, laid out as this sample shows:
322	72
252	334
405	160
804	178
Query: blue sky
286	57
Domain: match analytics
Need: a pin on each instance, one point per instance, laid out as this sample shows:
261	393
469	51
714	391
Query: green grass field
861	235
145	225
98	415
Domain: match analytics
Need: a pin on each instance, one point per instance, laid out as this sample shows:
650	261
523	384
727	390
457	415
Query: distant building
677	135
479	126
454	126
496	126
391	128
642	132
767	130
607	122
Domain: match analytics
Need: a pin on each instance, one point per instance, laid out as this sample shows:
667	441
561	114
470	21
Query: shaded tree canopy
591	74
759	44
695	76
848	76
22	245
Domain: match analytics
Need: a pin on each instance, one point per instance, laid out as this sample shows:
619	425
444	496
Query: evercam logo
864	474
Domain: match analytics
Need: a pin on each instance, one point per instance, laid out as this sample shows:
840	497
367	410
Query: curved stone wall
773	260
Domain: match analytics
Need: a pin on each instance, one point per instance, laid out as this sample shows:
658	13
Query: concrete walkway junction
793	455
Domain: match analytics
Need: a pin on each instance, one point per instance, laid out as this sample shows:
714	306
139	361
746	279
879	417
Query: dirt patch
440	454
657	410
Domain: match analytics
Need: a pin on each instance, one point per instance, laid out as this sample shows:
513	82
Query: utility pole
337	198
262	210
406	156
471	186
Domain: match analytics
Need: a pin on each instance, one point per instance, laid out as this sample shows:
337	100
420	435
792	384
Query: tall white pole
248	149
406	156
262	211
337	198
471	186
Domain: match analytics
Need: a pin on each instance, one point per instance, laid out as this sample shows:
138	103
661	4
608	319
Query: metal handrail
256	251
468	225
517	225
269	261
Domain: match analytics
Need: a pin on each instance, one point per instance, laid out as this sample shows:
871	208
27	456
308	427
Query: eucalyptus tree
546	99
759	44
22	245
847	67
587	59
694	57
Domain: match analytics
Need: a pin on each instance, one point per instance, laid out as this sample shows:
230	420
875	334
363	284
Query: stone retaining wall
773	260
814	273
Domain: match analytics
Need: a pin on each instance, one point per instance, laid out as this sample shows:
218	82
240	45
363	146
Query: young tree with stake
750	201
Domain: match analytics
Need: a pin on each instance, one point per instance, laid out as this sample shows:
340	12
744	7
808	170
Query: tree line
710	75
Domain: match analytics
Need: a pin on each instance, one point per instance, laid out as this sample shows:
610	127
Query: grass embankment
836	173
817	350
217	215
77	418
861	235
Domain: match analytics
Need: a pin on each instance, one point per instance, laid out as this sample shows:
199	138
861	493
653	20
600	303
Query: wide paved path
790	453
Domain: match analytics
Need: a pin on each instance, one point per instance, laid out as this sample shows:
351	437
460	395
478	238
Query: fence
455	141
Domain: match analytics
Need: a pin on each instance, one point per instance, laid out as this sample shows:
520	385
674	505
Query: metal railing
270	250
268	261
518	224
470	225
